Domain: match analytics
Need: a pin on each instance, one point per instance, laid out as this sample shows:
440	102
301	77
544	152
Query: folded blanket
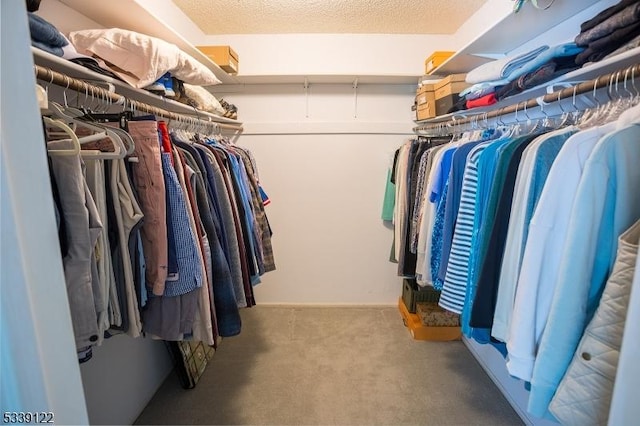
500	69
44	33
43	46
477	91
627	16
632	44
549	54
543	74
487	100
605	14
600	48
556	52
546	72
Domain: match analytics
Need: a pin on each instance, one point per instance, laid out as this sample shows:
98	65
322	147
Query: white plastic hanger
102	132
72	137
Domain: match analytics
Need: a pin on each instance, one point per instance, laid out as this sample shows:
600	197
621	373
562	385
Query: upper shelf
516	30
73	70
131	15
590	72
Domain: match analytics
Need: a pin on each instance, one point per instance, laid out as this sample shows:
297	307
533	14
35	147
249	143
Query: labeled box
224	56
447	90
435	60
425	102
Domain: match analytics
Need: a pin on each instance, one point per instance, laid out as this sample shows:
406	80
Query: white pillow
140	59
204	100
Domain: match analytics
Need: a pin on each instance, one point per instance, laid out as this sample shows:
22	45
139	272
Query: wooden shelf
131	15
74	70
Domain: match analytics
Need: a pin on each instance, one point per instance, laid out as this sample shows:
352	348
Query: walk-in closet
320	213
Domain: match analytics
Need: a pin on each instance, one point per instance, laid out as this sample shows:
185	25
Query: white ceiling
329	16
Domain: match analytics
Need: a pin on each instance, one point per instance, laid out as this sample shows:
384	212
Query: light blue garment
532	63
442	175
545	155
436	239
607	203
478	90
497	70
248	217
559	51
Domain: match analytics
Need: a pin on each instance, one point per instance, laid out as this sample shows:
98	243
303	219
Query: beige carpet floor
333	366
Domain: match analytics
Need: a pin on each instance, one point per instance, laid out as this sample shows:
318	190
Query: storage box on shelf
447	90
425	102
224	56
435	60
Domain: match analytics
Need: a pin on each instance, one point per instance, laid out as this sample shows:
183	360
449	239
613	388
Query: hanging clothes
168	241
524	225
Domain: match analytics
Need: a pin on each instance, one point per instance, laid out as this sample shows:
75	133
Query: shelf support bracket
306	97
355	98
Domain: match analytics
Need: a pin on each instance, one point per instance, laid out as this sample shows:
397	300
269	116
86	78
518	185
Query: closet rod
585	87
63	80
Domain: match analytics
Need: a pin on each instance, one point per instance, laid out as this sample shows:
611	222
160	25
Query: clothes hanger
121	118
102	132
72	137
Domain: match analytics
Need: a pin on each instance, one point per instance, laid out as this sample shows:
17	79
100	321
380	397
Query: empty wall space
326	188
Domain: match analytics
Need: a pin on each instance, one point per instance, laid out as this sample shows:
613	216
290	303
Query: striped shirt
455	283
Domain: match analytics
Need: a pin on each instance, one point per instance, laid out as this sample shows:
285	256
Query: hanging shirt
499	211
543	249
423	263
453	202
606	204
189	276
494	163
532	174
455	284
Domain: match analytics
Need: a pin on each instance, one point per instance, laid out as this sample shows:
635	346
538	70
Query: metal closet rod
63	80
589	86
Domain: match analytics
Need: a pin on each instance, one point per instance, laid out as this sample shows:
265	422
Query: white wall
357	54
330	245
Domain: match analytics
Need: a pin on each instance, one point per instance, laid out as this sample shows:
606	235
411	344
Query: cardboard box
435	60
433	315
224	56
419	331
446	92
425	102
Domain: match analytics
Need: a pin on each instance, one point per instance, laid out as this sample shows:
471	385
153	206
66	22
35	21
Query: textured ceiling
329	16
